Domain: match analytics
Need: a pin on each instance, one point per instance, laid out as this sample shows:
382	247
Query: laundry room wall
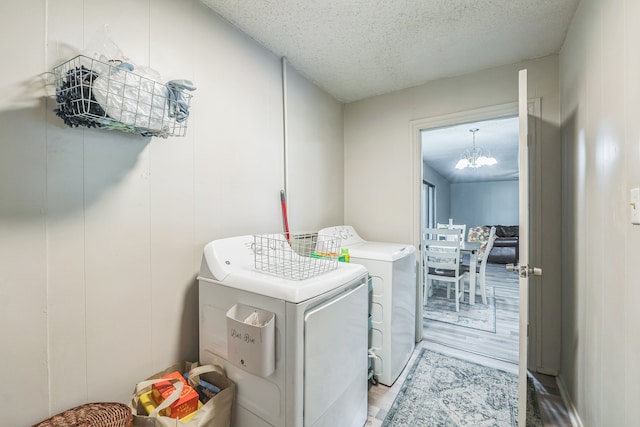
315	155
101	232
599	69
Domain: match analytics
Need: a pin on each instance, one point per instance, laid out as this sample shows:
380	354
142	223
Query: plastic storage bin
251	347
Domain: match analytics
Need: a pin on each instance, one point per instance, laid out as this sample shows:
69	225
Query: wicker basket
102	414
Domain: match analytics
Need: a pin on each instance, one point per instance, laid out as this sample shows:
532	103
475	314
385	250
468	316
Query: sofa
505	246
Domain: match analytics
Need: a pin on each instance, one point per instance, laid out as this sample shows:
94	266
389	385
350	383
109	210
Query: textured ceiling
442	148
355	49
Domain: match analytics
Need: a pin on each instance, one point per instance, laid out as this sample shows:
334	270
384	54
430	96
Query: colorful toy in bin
326	255
343	256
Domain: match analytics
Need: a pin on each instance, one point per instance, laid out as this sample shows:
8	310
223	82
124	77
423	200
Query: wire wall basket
109	95
301	257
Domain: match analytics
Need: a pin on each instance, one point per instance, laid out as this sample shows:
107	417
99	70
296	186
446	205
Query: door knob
536	271
524	271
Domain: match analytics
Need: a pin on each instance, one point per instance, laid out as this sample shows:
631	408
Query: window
429	197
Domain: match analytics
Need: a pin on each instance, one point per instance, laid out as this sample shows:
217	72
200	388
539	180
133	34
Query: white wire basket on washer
298	258
110	95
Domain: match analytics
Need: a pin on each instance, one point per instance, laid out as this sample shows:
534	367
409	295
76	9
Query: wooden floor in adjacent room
501	344
498	350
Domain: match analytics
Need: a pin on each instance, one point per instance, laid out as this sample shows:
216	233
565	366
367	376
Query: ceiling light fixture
475	157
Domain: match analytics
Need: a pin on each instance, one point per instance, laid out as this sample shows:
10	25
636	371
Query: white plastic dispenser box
251	339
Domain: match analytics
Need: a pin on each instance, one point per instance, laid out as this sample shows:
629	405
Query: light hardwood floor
498	350
501	344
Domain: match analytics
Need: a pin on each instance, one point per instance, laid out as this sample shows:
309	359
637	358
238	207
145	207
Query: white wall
315	190
379	166
485	203
599	69
101	232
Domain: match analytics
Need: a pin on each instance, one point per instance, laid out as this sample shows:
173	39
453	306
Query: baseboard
547	371
574	417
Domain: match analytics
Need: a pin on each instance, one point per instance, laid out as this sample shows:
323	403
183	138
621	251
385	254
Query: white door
523	242
523	269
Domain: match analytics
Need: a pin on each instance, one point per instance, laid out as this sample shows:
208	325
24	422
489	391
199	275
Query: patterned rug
478	316
445	391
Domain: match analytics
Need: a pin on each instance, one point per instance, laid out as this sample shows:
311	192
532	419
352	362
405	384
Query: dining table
471	248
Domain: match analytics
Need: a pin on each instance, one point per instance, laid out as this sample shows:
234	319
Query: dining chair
442	261
461	227
487	236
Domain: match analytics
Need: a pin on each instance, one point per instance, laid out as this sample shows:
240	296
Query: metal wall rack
111	95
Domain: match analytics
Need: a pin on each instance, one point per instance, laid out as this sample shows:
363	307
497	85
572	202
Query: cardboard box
186	404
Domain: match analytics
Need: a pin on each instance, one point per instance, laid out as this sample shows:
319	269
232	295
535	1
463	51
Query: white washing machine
319	375
392	267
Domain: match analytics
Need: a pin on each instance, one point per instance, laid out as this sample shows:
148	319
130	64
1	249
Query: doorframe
485	113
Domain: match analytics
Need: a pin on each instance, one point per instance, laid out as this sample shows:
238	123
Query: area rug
478	316
445	391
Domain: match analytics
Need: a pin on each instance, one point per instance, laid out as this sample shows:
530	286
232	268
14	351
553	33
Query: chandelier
475	157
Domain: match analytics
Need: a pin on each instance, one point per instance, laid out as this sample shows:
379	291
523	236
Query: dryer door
335	361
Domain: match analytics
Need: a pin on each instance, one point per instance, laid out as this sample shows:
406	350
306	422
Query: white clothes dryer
392	267
319	375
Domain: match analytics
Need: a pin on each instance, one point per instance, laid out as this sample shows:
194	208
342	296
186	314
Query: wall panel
101	232
599	87
23	202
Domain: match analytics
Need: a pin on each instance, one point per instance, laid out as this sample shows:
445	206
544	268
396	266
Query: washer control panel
346	233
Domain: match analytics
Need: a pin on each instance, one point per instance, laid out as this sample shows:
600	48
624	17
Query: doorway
530	160
476	198
416	128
